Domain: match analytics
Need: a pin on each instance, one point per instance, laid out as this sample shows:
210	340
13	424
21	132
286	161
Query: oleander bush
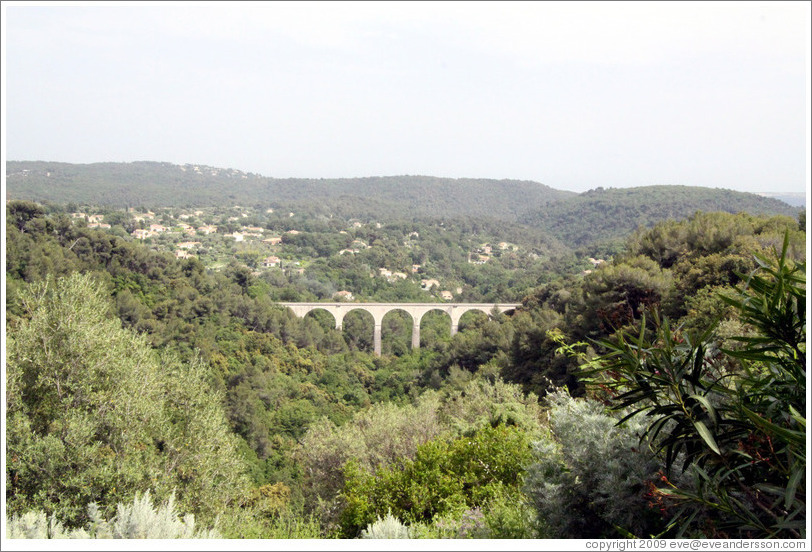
732	419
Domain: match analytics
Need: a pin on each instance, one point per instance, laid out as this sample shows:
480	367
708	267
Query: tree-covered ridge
611	214
167	185
594	217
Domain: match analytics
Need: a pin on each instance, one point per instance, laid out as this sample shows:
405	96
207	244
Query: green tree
21	212
619	293
95	415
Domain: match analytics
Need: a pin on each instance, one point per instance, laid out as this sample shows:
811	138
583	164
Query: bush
373	439
94	414
481	403
465	524
138	520
388	527
592	474
507	515
444	477
252	523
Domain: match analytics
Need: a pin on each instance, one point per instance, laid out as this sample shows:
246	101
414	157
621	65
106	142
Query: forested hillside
133	371
595	218
611	214
152	184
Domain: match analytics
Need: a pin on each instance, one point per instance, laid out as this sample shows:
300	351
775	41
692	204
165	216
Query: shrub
482	403
94	414
388	527
592	474
507	515
138	520
444	477
373	439
251	523
464	524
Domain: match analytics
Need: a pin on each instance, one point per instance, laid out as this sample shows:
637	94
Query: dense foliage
94	413
610	214
590	477
131	371
444	476
734	419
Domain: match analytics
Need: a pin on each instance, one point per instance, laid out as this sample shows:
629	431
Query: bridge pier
376	339
415	333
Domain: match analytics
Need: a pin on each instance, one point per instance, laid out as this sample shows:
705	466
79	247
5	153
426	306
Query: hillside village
268	240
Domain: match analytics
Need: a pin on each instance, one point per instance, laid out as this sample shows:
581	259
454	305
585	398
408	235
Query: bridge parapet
416	310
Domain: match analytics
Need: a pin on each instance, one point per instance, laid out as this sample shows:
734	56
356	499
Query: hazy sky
575	95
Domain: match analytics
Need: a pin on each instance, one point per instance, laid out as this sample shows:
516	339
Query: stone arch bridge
416	310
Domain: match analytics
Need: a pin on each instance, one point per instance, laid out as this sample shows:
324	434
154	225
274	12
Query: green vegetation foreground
700	325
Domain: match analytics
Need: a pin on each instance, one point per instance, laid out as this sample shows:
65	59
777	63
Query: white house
270	262
428	284
344	295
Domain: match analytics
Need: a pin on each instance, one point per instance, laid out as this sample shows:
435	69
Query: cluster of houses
213	171
483	253
595	264
157	229
355	247
186	249
431	283
427	285
93	221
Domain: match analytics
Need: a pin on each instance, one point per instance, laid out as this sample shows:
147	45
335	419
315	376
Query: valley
167	338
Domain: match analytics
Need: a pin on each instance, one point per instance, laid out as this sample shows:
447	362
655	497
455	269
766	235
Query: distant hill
168	185
606	214
791	198
575	219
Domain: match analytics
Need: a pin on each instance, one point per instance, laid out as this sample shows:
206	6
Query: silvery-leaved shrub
591	476
388	527
36	525
138	520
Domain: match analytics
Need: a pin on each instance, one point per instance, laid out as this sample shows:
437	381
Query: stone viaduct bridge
416	310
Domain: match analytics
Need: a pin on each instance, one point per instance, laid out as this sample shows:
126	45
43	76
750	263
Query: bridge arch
416	310
473	317
357	327
430	321
398	323
317	314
